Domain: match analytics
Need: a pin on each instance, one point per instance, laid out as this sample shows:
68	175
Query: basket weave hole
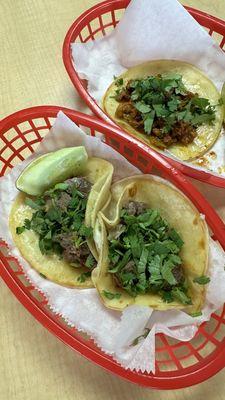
115	144
95	29
37	295
9	135
128	152
14	265
159	344
16	160
24	126
40	122
220	333
7	153
42	133
119	14
166	366
30	136
198	341
16	144
182	352
23	279
207	349
163	356
25	153
107	19
189	361
85	33
217	37
211	326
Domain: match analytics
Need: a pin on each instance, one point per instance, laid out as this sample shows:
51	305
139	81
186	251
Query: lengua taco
170	105
53	229
153	246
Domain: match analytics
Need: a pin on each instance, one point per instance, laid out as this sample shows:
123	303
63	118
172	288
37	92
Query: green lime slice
51	168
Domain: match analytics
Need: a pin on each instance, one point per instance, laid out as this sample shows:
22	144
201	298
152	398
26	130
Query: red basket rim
191	375
190	171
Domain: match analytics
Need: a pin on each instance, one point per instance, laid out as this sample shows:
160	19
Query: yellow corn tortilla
180	214
196	82
99	173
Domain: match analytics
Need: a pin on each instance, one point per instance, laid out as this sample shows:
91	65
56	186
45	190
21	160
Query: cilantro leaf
110	295
83	277
20	229
90	261
202	280
32	203
180	295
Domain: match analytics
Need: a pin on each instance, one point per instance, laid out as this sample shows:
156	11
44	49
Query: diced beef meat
63	200
130	114
71	252
82	184
135	208
178	274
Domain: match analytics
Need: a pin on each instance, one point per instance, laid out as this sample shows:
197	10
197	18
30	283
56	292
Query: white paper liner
112	331
151	30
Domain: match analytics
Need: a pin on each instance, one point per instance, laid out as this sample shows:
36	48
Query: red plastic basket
178	364
102	19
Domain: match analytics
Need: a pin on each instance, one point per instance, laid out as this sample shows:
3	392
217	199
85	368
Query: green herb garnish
110	295
164	106
202	280
145	256
137	339
83	277
59	221
196	314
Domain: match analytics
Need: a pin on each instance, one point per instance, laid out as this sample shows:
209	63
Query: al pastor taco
170	105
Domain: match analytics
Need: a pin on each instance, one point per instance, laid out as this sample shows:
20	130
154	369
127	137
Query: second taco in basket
153	246
52	219
171	105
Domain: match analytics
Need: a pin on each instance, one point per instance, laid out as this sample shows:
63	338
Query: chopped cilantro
90	261
137	339
59	221
196	314
181	296
145	256
42	275
162	101
20	229
202	280
110	295
32	203
83	277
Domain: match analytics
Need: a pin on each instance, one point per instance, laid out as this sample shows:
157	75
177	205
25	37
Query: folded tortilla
196	82
181	215
98	172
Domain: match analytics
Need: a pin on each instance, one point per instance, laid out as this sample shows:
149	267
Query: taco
170	105
53	231
153	246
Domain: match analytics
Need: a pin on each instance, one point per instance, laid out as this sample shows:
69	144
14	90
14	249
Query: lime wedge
51	168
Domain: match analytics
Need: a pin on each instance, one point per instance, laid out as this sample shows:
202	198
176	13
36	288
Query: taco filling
58	220
168	104
161	106
144	254
153	247
52	219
